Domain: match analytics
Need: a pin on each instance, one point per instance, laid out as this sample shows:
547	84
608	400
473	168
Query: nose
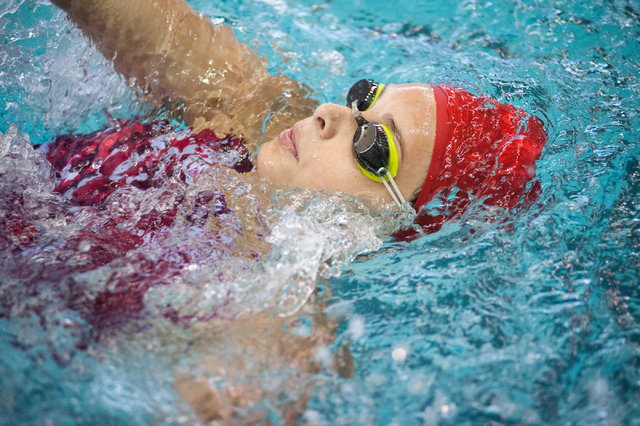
332	119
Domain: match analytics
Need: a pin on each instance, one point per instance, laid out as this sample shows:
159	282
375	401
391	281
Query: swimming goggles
373	143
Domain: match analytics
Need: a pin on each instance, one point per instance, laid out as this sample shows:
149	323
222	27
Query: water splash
530	319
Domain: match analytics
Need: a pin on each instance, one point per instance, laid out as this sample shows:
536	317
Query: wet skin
318	151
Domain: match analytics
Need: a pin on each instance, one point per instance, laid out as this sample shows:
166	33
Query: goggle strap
386	185
393	183
395	187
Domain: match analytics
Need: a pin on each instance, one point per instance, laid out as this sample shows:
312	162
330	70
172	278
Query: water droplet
399	355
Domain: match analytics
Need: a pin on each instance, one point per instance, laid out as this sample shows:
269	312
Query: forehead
411	92
409	106
412	107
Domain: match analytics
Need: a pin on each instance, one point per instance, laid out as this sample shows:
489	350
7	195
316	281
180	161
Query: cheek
330	168
336	172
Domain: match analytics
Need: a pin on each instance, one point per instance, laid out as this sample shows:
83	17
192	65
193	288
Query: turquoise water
523	317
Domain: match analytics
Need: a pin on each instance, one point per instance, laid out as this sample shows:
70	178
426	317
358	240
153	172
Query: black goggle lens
364	91
371	148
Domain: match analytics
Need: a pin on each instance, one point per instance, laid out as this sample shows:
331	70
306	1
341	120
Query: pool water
523	317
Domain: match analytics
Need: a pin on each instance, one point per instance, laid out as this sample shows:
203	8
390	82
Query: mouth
288	142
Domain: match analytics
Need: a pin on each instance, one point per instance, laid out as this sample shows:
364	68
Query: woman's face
318	151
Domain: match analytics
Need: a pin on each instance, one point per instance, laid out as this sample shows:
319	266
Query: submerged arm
176	54
246	350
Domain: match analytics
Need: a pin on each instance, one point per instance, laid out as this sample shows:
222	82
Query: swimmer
402	144
386	142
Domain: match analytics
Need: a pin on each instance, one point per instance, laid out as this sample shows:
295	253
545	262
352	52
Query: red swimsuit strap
442	136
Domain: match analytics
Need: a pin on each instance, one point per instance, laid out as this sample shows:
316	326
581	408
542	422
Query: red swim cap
442	136
483	149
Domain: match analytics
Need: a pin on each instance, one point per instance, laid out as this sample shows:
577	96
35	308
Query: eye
366	92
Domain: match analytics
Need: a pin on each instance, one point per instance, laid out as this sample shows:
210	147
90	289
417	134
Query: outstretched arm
176	54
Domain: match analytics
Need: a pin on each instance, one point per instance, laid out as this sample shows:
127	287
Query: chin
266	160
